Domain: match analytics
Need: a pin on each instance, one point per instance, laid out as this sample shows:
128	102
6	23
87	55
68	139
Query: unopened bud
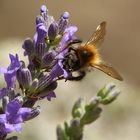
93	103
40	50
63	22
76	129
61	135
24	78
111	97
48	59
106	90
78	108
28	46
91	115
34	85
53	31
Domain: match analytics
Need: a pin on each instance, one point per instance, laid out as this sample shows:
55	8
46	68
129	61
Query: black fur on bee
71	62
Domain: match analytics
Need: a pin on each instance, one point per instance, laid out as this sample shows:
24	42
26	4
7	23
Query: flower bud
48	59
63	22
78	108
106	90
28	46
40	50
48	91
24	78
61	135
94	102
91	115
53	31
44	11
75	123
44	82
34	85
111	97
76	129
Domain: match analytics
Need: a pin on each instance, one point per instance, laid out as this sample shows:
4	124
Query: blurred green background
119	121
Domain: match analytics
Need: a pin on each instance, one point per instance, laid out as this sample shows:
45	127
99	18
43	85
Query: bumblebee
80	58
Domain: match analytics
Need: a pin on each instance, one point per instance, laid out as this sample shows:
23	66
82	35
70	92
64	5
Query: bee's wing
109	70
98	35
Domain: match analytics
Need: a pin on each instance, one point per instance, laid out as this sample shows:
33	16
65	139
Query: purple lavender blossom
10	72
14	116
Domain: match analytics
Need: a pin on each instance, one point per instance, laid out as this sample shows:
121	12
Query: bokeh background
120	120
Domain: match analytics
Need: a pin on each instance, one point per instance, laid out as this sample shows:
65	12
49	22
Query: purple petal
10	75
14	118
71	30
68	35
24	112
13	107
18	127
56	71
15	63
3	70
51	95
3	118
10	79
8	128
48	58
65	73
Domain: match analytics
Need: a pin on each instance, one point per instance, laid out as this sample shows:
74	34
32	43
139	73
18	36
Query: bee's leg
77	78
75	41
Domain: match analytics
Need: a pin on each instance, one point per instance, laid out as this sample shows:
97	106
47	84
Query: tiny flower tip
75	122
43	9
115	93
110	86
66	15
